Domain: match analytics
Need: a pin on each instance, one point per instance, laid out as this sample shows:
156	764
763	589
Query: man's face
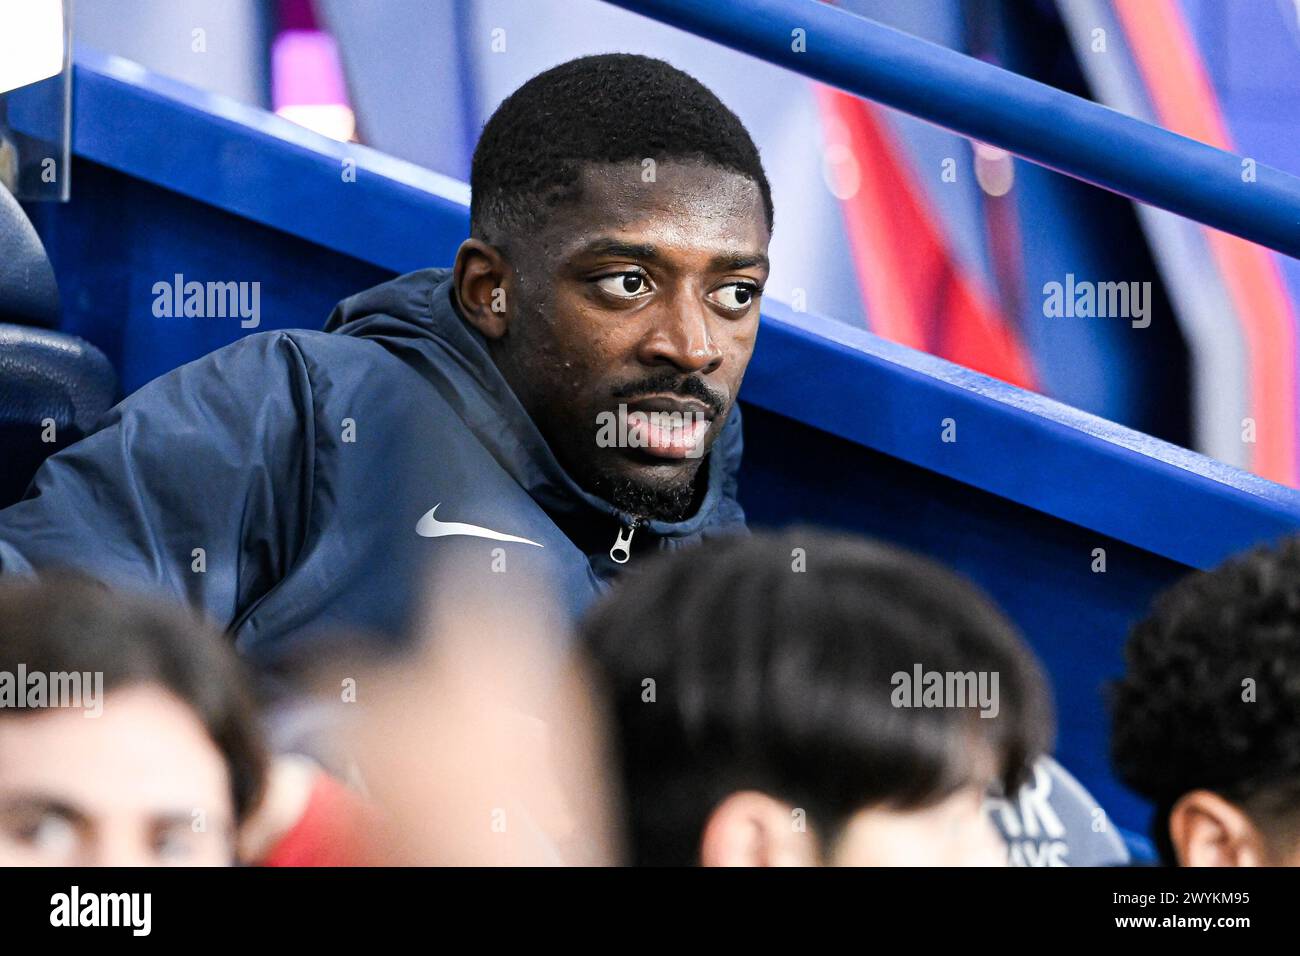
641	298
954	832
140	785
750	828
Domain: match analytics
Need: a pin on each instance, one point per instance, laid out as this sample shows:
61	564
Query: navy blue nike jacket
287	484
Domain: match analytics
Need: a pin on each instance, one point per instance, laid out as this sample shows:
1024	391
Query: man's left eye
625	285
736	296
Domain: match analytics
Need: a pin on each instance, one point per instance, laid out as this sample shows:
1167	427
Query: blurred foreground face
954	832
762	692
140	785
485	748
755	829
1205	722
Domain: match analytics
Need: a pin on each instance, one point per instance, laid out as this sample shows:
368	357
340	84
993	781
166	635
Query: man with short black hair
1206	719
765	711
562	401
127	733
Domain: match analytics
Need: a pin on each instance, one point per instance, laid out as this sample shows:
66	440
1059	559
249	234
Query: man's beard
675	502
658	500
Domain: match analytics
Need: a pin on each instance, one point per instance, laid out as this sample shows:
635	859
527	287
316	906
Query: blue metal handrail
1037	122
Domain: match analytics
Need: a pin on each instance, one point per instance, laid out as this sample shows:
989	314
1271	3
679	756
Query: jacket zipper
622	549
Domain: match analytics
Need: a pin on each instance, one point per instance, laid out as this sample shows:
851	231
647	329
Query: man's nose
682	336
122	843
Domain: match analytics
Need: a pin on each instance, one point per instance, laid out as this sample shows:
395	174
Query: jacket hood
414	317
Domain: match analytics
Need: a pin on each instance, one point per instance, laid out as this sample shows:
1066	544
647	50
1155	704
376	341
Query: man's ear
484	284
753	829
1207	830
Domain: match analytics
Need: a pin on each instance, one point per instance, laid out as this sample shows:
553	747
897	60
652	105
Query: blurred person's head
142	748
762	693
619	219
1206	720
482	743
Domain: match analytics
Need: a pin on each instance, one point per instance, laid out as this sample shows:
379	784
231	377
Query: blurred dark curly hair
1182	717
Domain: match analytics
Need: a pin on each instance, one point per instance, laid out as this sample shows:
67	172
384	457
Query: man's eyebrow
169	819
728	261
618	247
165	821
26	803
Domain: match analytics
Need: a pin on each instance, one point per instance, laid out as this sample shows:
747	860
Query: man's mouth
665	426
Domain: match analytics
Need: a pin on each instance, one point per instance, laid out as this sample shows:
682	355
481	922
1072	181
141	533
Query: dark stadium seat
53	387
28	293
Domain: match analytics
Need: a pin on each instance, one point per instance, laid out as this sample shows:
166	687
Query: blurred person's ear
753	829
289	782
1207	830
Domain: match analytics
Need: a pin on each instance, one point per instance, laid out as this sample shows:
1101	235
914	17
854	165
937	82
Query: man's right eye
175	845
49	834
625	285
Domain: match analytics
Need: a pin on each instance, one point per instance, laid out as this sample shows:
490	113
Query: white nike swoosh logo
431	527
